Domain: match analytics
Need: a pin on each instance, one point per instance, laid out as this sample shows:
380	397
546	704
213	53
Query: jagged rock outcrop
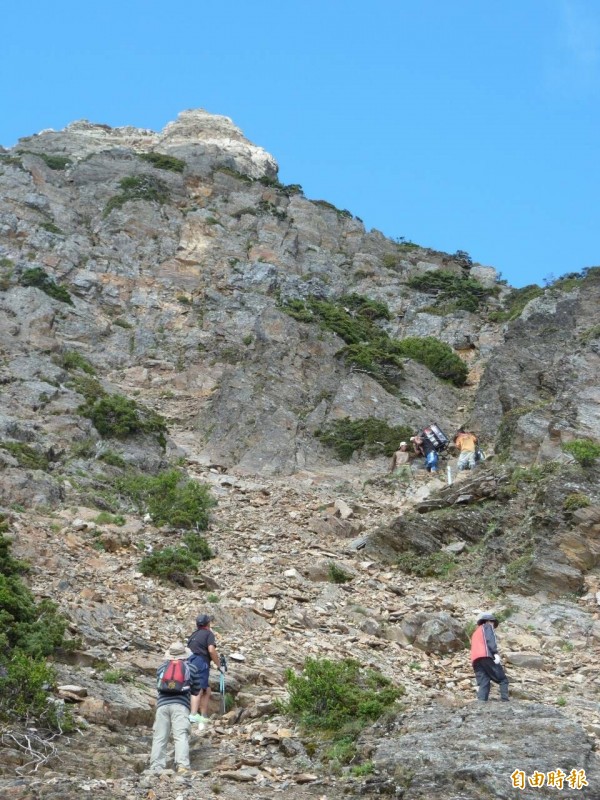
470	753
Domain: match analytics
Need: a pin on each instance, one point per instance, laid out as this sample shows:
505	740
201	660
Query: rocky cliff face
238	321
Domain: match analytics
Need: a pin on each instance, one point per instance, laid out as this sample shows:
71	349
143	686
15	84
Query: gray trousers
485	672
170	717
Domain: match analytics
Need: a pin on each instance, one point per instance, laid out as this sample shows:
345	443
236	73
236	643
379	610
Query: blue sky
459	125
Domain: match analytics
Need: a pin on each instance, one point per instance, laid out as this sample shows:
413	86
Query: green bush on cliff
437	356
584	451
433	565
369	348
170	498
515	302
29	632
455	292
27	457
372	436
138	187
338	695
163	161
40	280
114	415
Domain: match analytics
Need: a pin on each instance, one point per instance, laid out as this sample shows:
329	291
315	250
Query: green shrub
118	416
337	574
52	228
437	356
576	500
52	161
29	632
360	770
40	280
117	676
515	302
369	348
71	359
138	187
584	451
112	459
353	317
373	436
105	518
464	293
24	691
433	565
590	334
342	213
163	161
170	563
390	261
330	695
27	457
170	498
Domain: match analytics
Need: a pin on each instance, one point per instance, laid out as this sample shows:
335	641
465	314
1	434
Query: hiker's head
461	429
487	616
202	620
403	445
177	651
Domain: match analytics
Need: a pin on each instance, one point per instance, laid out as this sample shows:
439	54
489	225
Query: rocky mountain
169	311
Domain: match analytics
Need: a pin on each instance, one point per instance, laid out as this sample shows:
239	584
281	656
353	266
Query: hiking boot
195	717
183	770
203	724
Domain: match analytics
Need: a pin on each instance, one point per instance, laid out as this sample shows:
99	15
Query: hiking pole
223	664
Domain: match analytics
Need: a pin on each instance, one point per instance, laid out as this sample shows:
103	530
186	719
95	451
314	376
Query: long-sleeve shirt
163	698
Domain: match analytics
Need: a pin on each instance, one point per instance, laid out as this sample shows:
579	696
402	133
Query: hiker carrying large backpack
176	681
429	443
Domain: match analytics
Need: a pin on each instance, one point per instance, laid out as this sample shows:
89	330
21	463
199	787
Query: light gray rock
471	752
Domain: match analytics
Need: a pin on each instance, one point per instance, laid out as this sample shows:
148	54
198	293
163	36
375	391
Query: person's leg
181	730
204	700
483	681
501	679
200	665
463	461
471	460
160	738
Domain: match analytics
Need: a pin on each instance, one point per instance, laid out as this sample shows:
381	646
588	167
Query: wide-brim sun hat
487	616
178	651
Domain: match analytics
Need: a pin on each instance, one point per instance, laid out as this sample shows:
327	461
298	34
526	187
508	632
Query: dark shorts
203	668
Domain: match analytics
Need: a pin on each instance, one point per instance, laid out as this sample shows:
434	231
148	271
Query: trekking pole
223	662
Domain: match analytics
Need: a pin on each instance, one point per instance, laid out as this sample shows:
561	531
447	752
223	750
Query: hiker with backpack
176	681
466	442
429	443
203	648
485	658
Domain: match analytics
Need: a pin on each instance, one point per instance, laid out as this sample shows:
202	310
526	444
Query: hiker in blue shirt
177	680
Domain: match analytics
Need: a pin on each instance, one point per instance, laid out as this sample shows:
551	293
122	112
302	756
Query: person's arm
214	656
490	639
393	464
